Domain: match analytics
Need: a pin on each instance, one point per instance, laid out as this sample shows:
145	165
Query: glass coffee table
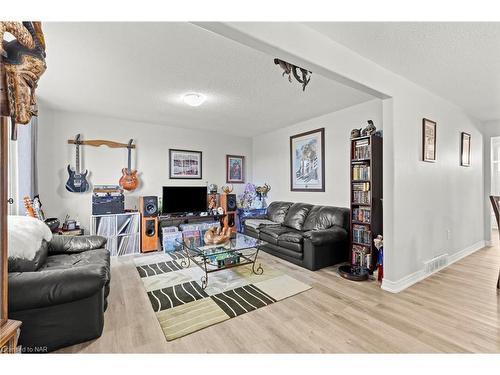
240	250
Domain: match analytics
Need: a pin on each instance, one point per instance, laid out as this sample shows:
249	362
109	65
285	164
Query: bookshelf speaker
228	202
148	206
149	235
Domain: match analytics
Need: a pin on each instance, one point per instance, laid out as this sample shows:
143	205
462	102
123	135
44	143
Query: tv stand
185	218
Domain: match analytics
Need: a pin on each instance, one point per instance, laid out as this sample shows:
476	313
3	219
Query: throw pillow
27	243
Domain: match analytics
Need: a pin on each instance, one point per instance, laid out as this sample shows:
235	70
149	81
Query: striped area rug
183	307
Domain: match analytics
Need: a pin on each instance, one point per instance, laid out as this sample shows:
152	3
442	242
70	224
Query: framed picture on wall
307	161
185	164
428	140
235	169
465	150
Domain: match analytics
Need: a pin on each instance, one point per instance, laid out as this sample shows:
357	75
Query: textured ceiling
138	71
458	61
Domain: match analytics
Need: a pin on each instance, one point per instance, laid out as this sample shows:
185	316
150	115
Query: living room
249	187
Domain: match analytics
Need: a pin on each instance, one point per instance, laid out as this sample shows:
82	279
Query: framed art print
465	150
307	161
185	164
428	140
235	169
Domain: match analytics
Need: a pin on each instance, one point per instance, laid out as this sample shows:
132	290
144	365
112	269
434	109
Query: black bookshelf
366	199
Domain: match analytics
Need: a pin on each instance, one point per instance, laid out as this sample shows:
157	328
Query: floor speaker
149	235
148	206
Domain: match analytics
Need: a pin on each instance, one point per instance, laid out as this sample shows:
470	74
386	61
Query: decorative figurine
379	245
212	201
217	236
355	133
227	189
212	188
262	193
370	129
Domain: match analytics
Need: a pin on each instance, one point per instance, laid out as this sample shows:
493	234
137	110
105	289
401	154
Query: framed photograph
235	169
185	164
465	150
307	161
428	140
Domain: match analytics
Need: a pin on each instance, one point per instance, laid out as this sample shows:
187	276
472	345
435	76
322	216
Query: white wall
271	162
422	201
490	129
105	164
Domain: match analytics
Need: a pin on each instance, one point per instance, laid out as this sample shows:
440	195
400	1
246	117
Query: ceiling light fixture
194	99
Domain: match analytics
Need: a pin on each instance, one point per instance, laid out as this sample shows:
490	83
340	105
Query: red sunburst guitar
129	181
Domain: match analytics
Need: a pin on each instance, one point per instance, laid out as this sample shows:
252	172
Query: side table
243	214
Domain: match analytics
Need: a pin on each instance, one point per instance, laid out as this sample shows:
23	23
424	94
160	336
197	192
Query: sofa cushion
274	231
252	231
323	237
98	256
75	244
268	238
291	236
296	215
324	217
293	246
276	211
257	223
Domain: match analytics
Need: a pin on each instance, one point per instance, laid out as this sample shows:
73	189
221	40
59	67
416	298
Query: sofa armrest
326	236
29	290
75	244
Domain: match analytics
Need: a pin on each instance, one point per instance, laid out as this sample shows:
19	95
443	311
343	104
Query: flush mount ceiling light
194	99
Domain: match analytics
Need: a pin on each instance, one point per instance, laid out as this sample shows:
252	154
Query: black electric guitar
77	181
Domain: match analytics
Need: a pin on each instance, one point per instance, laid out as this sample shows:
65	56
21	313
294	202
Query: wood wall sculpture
24	64
288	69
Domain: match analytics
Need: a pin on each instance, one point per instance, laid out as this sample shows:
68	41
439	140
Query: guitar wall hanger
102	142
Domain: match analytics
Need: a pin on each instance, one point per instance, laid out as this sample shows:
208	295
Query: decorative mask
24	62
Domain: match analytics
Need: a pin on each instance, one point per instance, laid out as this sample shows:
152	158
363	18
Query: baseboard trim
415	277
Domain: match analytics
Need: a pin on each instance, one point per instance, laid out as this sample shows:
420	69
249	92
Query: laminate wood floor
455	310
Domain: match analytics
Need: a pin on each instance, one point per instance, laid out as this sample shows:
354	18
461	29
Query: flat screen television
184	199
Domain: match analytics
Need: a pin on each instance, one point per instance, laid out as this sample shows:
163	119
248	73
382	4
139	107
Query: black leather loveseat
310	236
62	301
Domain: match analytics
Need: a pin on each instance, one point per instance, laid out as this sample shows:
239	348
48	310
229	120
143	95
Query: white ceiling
458	61
138	71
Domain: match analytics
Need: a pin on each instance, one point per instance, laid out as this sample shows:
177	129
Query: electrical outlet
448	234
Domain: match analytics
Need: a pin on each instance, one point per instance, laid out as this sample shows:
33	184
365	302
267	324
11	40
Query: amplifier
108	204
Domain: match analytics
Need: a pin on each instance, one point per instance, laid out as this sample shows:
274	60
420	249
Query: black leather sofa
310	236
62	302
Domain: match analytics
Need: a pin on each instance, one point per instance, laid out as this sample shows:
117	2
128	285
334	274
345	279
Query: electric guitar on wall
129	181
77	181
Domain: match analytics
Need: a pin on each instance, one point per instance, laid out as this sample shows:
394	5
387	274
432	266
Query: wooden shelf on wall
101	142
